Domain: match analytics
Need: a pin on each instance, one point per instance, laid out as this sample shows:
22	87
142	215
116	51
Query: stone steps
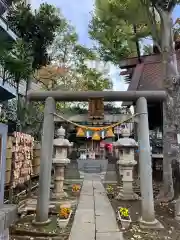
92	169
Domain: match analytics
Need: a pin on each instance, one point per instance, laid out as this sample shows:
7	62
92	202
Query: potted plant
124	217
110	191
76	189
63	216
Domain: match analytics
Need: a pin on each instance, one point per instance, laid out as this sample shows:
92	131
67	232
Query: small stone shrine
60	160
126	162
71	170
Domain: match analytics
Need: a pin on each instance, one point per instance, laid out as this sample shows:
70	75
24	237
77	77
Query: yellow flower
124	212
109	189
64	212
76	188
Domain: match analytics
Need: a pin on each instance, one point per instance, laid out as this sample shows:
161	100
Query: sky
78	13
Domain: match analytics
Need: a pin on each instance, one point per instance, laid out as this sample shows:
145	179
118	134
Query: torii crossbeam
152	96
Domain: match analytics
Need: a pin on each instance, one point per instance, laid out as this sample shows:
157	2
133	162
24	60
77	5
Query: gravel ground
35	233
23	229
164	213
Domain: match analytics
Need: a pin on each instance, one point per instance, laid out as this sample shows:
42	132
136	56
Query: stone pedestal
8	215
58	191
126	162
127	193
60	161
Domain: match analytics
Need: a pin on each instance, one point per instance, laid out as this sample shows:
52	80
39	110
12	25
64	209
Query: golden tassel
80	133
96	136
110	133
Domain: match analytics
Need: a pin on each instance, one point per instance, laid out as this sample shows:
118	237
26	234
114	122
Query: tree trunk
171	109
28	87
18	128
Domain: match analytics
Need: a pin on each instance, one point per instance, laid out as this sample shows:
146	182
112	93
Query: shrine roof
148	74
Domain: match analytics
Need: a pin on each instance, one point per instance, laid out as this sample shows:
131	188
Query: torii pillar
42	207
148	215
148	219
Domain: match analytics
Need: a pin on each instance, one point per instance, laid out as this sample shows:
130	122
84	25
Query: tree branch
152	24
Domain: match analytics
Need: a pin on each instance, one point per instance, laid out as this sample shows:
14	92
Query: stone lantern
126	162
60	160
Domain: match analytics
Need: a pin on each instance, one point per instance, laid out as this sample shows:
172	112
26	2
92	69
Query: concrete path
94	218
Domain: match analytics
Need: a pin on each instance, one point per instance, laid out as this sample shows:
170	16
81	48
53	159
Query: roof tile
149	75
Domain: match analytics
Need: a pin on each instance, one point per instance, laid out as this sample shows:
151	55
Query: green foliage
114	22
36	29
74	58
112	26
93	80
29	118
112	42
46	35
17	61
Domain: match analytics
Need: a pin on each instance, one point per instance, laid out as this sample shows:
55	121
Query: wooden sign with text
96	108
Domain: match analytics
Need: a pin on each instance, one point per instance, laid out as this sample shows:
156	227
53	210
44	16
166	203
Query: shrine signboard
96	108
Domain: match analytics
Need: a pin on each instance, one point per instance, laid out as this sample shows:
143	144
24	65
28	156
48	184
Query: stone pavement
94	218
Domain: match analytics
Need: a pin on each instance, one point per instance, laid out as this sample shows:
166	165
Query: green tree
17	66
30	119
69	55
37	29
153	19
117	30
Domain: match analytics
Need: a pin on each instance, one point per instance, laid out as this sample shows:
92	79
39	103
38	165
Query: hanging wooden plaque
96	108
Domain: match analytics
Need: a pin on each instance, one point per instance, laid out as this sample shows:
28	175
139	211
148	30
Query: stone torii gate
141	97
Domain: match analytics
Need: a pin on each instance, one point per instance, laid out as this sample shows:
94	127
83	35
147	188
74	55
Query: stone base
150	225
34	222
59	195
122	195
8	215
